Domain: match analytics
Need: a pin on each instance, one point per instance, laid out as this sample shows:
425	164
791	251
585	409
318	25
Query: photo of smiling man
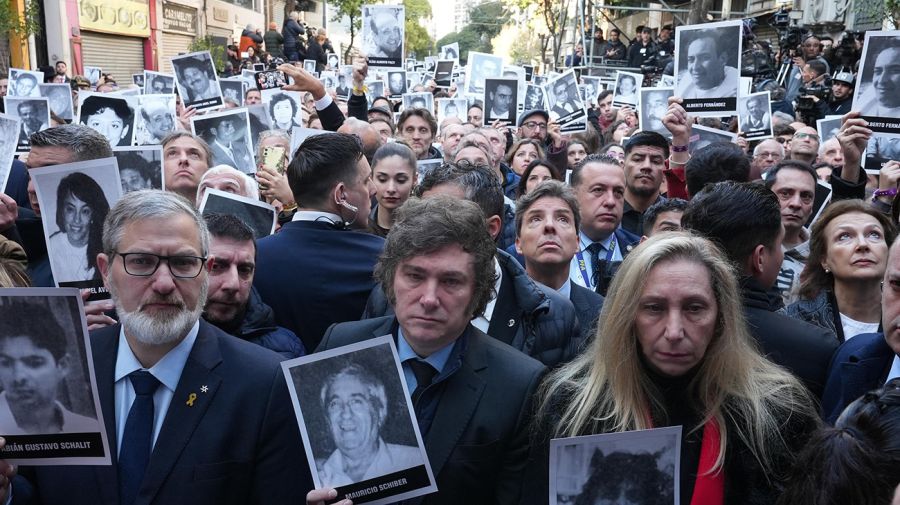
706	65
198	83
877	94
358	424
382	34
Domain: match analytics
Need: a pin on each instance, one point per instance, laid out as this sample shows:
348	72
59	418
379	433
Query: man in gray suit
471	393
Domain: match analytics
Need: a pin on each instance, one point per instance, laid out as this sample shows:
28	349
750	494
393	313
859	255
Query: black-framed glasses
146	264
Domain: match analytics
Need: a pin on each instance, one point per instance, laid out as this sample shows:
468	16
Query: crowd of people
537	284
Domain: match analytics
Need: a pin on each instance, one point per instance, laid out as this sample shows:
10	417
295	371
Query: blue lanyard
582	267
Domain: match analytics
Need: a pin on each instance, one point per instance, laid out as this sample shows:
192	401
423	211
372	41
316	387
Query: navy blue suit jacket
238	444
587	307
313	275
860	365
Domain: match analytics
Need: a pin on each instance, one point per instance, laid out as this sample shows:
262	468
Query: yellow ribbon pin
191	399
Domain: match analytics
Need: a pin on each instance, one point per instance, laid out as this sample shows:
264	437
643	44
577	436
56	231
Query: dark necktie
137	440
596	267
424	373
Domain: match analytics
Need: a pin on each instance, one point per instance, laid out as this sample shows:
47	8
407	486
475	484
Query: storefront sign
122	17
179	18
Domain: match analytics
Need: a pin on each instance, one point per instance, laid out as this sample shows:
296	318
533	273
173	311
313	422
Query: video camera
805	103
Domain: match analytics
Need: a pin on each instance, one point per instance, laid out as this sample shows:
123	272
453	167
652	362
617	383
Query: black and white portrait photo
828	127
259	216
443	73
156	83
60	99
450	52
592	88
259	122
877	94
382	34
228	136
309	66
283	107
410	64
24	83
138	80
755	116
359	428
634	467
534	97
9	137
625	92
481	66
344	82
707	67
423	100
198	83
396	82
881	148
109	116
233	91
33	114
332	62
375	89
429	64
74	200
500	97
563	96
702	136
652	107
47	377
328	78
93	75
140	167
155	119
451	107
518	73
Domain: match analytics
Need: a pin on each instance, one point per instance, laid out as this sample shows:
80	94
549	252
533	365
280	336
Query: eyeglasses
356	404
801	135
531	125
146	264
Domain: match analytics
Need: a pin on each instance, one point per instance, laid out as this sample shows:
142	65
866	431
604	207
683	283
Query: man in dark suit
533	318
317	270
745	220
227	136
547	224
167	381
868	361
599	184
471	394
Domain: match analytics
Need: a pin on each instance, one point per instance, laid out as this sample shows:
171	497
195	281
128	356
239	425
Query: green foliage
488	18
888	10
23	26
215	50
418	41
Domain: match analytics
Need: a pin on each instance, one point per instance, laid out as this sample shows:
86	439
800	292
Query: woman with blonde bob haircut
672	348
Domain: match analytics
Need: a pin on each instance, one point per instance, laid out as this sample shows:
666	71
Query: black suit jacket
860	365
314	274
803	349
238	444
478	441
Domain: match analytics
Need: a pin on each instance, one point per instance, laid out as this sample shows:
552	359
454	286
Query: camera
805	103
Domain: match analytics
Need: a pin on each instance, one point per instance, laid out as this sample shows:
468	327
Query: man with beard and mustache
645	160
172	386
233	305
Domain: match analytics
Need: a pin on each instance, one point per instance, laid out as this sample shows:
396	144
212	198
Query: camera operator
812	102
842	93
643	52
810	50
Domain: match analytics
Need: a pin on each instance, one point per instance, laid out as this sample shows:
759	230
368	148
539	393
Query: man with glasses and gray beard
168	379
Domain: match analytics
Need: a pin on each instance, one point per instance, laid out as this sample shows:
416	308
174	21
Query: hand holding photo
359	428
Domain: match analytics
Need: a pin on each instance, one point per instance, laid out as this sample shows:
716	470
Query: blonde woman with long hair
672	349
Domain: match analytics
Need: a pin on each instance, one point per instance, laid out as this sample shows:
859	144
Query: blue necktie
596	267
137	441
